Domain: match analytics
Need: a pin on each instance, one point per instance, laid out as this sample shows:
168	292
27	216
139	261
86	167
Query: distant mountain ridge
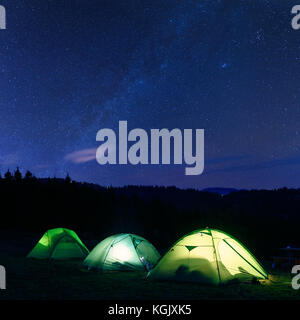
218	190
221	191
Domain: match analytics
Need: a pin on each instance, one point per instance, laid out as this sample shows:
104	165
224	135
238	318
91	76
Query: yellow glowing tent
208	256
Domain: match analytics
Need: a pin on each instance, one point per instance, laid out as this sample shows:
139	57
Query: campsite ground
40	279
48	280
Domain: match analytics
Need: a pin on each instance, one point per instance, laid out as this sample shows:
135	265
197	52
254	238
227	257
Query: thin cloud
82	156
42	166
9	159
227	159
260	165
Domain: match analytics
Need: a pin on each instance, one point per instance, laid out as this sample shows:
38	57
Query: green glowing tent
122	252
59	243
208	256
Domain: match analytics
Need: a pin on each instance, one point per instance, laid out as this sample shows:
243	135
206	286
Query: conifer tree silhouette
8	175
18	175
68	179
28	175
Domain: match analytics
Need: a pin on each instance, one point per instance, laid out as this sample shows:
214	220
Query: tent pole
212	238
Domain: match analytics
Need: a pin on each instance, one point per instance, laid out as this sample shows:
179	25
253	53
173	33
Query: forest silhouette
263	220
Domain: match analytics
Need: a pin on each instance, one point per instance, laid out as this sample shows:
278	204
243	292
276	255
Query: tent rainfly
123	252
208	256
59	243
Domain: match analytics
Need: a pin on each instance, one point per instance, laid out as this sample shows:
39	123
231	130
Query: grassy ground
40	279
67	280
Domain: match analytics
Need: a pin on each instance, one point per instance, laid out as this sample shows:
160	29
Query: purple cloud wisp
82	156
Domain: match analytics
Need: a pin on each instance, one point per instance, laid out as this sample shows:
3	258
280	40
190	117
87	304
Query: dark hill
263	219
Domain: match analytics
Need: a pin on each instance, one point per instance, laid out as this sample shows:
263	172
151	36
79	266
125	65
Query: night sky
231	67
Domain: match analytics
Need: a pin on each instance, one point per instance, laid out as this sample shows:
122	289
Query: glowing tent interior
122	252
59	243
208	256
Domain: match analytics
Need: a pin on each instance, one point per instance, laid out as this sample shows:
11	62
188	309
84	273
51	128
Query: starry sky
230	67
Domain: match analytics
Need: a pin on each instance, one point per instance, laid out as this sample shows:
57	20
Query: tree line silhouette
264	220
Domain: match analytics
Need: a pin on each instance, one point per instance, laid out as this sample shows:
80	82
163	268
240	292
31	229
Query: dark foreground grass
67	280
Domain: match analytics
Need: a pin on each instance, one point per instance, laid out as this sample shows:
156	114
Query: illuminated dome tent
208	256
59	243
122	252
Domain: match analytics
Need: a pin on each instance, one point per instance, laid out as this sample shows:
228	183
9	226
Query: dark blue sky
231	67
